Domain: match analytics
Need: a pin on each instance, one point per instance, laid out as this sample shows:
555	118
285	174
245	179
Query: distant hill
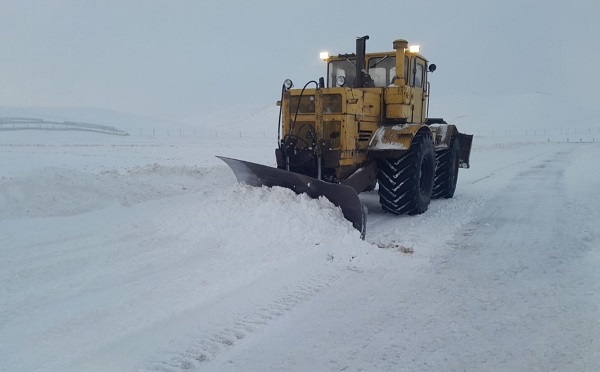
249	120
515	113
537	113
121	120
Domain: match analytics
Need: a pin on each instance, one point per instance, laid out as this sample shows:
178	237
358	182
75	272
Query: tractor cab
400	74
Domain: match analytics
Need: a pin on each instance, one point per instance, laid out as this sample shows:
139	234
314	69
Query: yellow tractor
367	124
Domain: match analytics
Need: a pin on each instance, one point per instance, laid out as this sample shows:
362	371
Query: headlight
340	81
414	48
288	84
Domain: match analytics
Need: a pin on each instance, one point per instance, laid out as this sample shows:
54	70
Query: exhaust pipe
361	46
400	46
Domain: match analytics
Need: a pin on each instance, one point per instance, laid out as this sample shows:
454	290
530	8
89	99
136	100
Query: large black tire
406	183
446	174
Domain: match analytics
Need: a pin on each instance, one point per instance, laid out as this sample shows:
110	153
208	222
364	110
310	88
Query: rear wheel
446	173
406	183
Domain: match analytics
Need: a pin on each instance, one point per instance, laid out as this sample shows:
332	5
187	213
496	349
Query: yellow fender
394	138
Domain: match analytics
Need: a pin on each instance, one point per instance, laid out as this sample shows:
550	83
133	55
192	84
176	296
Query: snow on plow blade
341	195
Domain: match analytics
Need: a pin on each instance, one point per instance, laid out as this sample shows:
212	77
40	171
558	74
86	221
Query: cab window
411	80
406	69
420	68
345	68
382	70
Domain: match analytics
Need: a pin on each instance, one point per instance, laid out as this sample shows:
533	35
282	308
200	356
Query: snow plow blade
340	195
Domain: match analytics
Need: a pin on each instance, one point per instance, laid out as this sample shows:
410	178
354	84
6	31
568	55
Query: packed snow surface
142	253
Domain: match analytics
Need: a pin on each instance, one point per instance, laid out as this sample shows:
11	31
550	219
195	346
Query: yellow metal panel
364	103
372	103
397	111
397	137
332	132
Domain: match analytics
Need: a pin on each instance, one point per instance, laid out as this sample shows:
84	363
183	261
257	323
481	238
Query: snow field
142	253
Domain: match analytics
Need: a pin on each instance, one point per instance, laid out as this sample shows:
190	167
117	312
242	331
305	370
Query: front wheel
406	183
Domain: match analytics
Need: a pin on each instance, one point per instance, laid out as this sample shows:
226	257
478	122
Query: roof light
414	48
324	56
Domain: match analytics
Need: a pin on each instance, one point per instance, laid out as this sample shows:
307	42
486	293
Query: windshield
382	70
345	68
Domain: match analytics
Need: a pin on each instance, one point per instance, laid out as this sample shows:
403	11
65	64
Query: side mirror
432	67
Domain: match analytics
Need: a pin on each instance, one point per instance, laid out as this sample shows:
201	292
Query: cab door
417	84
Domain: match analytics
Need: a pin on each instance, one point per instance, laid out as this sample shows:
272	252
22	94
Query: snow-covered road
143	254
517	288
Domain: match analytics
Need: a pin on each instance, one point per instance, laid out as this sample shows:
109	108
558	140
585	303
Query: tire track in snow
197	349
506	167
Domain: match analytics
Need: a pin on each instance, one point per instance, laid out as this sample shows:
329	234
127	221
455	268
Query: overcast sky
181	58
